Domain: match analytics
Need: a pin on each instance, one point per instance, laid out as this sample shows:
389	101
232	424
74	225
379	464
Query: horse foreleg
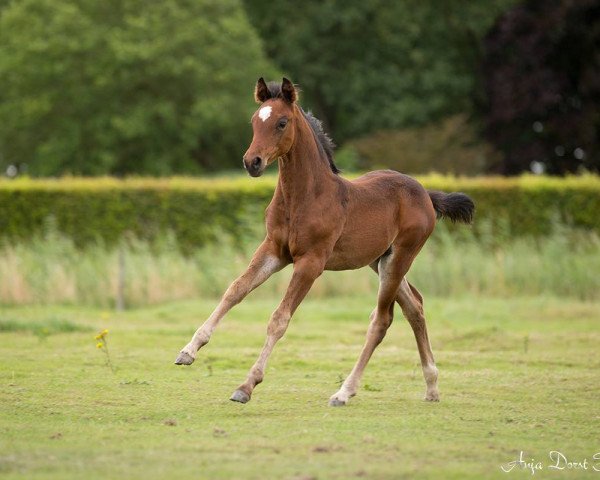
306	271
264	263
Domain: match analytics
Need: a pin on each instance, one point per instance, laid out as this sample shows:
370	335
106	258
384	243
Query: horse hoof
240	396
336	402
184	358
432	397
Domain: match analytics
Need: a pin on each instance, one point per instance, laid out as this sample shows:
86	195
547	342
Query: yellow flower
99	345
101	334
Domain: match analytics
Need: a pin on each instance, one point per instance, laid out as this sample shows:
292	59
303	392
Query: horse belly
359	247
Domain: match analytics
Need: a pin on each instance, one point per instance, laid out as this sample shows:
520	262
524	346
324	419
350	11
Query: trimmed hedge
198	210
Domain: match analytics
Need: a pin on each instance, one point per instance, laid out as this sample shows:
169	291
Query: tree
126	86
368	65
542	82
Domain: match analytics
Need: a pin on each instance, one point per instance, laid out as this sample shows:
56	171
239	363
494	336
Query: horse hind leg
411	302
391	269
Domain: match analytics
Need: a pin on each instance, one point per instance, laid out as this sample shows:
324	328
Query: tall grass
50	269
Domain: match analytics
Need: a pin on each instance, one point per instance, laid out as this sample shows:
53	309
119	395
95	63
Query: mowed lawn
515	374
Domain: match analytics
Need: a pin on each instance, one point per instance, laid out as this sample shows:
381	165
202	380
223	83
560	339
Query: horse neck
304	173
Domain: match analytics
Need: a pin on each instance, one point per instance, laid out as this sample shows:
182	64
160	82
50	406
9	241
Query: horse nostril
256	162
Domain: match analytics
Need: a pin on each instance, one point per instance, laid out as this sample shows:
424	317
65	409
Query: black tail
458	207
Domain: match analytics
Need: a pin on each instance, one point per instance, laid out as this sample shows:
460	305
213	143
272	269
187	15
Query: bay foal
319	221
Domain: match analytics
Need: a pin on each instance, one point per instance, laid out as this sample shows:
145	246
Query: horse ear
288	91
261	92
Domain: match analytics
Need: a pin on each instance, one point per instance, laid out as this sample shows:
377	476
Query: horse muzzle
255	166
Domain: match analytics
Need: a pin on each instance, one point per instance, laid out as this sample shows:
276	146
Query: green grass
518	374
45	326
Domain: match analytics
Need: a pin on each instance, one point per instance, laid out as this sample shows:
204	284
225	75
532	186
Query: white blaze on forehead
265	112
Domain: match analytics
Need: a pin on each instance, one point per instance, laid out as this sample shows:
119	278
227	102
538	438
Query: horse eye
282	123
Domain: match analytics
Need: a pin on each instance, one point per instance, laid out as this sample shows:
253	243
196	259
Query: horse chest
299	231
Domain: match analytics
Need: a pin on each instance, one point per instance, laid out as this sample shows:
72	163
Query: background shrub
448	146
197	211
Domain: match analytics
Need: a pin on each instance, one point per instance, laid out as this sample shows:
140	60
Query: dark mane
324	142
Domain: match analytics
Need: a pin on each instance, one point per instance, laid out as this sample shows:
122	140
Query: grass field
518	374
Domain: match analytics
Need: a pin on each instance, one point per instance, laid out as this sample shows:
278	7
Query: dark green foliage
367	65
93	87
198	211
542	81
